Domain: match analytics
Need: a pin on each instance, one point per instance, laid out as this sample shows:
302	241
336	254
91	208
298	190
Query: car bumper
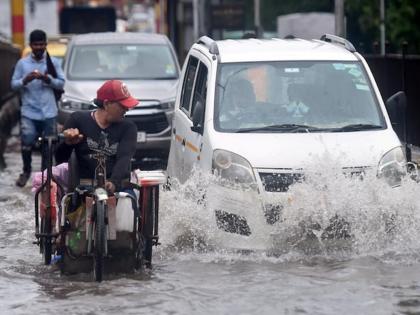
241	221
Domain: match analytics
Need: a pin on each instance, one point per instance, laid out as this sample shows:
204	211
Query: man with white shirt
39	108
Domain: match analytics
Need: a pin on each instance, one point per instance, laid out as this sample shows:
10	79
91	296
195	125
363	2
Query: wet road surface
375	277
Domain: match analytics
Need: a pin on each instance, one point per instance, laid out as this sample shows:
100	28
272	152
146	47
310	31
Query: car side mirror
197	118
396	105
396	108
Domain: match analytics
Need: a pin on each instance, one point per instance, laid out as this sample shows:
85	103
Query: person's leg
28	137
49	128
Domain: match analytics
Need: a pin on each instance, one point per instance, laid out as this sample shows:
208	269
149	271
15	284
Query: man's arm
63	152
126	151
17	77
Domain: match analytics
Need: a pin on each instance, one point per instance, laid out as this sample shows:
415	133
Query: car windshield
122	61
298	96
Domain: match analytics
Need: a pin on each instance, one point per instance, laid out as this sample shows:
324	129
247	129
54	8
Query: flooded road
377	276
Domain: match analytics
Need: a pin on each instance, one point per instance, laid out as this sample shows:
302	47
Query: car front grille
279	182
153	123
355	172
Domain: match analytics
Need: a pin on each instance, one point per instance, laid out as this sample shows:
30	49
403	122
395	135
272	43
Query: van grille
154	123
355	172
280	182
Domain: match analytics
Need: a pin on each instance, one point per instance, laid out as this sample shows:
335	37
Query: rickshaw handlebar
53	139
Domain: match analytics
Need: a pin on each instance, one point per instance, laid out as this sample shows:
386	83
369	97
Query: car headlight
168	105
393	166
76	105
233	169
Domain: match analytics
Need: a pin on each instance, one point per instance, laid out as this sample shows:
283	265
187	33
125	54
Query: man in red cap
104	128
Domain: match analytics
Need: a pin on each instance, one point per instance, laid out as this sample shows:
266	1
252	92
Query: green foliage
402	23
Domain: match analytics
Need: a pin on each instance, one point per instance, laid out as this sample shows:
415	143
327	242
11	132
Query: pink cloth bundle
60	173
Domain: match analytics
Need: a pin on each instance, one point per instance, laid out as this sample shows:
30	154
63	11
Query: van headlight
75	105
393	166
233	170
167	105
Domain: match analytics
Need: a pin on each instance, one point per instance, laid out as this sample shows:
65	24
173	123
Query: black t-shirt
118	141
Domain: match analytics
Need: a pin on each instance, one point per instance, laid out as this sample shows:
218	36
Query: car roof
248	50
116	38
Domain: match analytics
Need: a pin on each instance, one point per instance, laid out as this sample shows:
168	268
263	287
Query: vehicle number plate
141	137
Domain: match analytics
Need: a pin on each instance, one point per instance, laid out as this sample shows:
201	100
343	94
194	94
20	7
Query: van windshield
298	96
122	61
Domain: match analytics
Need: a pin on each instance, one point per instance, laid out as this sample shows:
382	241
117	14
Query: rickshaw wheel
138	252
46	244
100	239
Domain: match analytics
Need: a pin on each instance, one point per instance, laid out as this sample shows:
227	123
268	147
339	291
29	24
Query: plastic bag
124	215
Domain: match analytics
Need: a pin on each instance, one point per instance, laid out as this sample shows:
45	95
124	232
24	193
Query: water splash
185	223
384	221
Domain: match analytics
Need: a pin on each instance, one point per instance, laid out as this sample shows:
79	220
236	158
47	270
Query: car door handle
183	142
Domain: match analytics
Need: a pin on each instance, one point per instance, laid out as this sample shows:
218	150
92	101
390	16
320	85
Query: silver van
147	63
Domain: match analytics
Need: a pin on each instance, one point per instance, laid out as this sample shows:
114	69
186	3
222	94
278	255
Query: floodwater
379	274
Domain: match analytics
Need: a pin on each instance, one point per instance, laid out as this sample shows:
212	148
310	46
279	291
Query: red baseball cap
116	91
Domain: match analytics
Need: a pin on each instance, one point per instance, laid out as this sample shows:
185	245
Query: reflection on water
377	275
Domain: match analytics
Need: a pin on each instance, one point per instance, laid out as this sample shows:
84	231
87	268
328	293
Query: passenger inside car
151	64
297	106
145	64
339	100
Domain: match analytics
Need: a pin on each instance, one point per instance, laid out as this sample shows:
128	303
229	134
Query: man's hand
32	76
46	78
109	187
72	136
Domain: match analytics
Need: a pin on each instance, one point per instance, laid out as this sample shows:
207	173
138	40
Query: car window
187	87
200	87
122	61
321	94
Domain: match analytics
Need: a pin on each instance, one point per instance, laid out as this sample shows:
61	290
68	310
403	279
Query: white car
258	112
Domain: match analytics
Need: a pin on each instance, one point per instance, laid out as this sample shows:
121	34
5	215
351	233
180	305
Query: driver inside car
239	101
103	129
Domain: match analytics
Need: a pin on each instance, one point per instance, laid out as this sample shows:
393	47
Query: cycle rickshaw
88	230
